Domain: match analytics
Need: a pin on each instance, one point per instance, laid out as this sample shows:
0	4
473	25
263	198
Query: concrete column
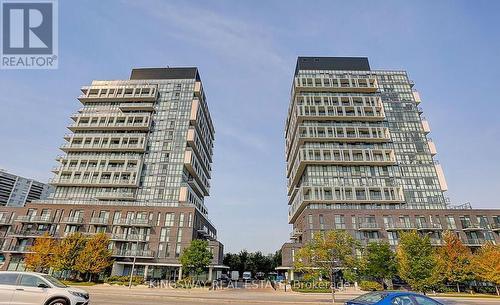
146	271
291	275
210	269
180	273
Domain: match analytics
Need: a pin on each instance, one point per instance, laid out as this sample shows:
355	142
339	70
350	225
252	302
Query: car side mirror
43	285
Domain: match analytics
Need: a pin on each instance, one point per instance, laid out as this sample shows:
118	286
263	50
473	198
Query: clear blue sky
246	52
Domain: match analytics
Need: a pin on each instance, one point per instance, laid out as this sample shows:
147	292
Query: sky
246	52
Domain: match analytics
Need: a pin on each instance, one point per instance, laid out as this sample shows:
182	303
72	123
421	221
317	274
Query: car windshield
370	298
53	281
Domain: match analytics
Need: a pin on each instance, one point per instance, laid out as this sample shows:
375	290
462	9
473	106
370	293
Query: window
339	222
8	278
450	221
31	281
169	219
425	301
402	300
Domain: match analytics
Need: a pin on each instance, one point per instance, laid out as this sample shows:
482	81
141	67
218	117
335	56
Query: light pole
133	262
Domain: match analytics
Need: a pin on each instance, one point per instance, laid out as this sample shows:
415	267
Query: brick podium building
137	166
359	158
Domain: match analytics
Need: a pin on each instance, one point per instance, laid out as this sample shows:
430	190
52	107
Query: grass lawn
466	295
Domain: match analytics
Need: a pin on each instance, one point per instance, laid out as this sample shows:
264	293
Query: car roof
399	293
23	272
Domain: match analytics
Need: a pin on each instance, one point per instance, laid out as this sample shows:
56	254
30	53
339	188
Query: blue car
393	298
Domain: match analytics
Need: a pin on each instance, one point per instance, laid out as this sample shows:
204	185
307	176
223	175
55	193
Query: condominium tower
136	165
359	158
16	191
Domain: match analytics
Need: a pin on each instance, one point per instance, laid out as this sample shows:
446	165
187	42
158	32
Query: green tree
486	264
416	261
67	251
453	261
379	262
233	261
40	256
324	254
95	257
196	257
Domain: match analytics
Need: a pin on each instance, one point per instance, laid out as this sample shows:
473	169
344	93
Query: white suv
30	288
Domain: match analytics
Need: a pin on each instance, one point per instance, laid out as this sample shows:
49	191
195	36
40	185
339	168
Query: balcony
400	227
17	249
103	182
105	93
473	242
367	241
122	147
137	106
129	237
99	221
4	221
341	113
73	220
369	226
495	227
436	242
296	233
133	222
35	219
30	233
472	227
144	126
324	84
429	227
133	253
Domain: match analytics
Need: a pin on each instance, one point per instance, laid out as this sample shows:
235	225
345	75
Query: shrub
124	280
371	286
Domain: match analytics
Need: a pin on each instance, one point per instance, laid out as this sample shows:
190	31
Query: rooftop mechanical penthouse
137	165
359	158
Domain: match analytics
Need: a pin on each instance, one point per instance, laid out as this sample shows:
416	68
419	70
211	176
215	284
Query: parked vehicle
247	276
235	275
31	288
223	279
393	298
260	275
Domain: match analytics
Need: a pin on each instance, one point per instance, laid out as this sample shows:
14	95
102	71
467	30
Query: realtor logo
29	34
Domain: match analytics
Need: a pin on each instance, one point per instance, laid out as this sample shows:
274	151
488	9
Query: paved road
101	295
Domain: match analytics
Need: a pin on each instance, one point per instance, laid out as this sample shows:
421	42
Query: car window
370	298
31	281
53	281
8	278
402	300
425	301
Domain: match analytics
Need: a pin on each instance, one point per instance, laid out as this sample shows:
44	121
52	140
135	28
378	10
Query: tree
233	261
95	257
486	263
325	254
379	262
196	257
416	261
453	261
67	251
40	256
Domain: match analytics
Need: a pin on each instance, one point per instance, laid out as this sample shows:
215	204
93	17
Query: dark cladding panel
165	73
332	63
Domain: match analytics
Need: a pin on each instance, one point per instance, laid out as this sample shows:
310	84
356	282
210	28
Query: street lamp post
133	262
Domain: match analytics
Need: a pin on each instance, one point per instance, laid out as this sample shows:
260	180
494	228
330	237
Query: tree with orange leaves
453	261
486	264
39	257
